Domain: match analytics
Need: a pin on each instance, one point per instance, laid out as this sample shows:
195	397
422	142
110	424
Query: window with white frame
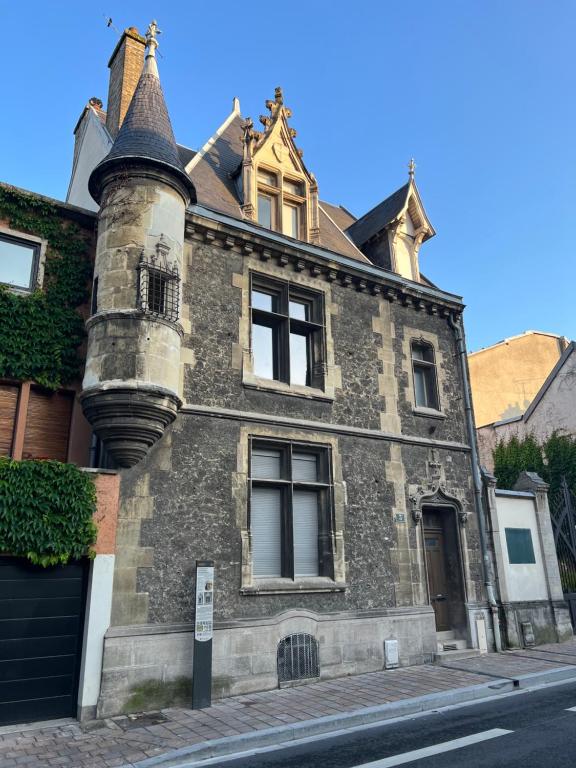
287	332
290	510
18	262
424	371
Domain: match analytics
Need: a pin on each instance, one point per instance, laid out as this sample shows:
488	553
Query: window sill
17	289
431	413
293	390
281	586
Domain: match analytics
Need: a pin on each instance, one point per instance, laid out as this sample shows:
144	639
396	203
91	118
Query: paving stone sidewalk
124	741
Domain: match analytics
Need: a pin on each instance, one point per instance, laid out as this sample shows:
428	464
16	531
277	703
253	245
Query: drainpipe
478	505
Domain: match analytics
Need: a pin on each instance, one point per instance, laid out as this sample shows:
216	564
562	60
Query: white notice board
204	603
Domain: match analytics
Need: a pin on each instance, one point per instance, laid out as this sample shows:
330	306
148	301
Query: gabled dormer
391	234
277	189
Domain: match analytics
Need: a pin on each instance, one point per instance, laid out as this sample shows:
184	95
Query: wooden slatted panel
48	425
8	405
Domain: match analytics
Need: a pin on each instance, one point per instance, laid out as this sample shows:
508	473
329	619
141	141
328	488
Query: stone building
282	391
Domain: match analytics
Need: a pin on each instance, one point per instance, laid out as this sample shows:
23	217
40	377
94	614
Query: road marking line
437	749
571	709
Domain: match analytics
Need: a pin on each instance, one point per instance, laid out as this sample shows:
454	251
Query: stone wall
187	499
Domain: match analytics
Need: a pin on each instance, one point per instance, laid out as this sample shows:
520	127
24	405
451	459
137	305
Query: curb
542	678
324	725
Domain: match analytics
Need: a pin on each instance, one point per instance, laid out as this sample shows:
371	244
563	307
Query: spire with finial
146	135
411	169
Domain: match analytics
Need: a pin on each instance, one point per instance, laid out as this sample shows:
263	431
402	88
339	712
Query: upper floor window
281	203
424	369
287	332
18	262
290	510
159	287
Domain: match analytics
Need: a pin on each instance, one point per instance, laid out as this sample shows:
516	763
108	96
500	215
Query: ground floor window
290	510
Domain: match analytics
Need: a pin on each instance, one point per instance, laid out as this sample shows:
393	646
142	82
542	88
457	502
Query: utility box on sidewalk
391	660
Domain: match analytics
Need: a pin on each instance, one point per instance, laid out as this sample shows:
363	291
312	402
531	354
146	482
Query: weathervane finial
151	41
411	168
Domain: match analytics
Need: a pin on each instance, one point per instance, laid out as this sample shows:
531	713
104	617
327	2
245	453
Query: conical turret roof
146	135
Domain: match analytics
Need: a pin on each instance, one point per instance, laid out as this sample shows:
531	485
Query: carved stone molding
435	494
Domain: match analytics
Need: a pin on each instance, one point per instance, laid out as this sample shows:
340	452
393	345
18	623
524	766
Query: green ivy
554	458
42	331
46	511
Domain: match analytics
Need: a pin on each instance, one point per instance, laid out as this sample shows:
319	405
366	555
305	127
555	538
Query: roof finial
150	66
411	168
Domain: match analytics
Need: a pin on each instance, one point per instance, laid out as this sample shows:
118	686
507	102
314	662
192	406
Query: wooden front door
437	578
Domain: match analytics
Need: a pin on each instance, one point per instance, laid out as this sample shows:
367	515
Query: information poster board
203	632
203	626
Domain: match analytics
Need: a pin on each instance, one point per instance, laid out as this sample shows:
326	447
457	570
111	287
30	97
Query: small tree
555	458
515	456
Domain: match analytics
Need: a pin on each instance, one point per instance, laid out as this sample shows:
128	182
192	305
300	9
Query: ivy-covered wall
42	331
46	511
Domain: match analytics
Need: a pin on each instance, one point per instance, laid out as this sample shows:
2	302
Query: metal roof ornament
151	42
411	169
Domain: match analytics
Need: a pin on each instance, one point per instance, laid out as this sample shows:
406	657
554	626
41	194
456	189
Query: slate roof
213	177
146	134
338	214
212	173
379	217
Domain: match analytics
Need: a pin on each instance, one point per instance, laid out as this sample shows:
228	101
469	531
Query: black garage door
41	623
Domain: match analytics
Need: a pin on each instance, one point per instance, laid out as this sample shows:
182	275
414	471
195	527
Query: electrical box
481	635
391	660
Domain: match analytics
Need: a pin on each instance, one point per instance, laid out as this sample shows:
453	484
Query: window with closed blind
34	422
290	510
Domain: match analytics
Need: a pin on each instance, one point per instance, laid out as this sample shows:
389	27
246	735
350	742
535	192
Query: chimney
125	69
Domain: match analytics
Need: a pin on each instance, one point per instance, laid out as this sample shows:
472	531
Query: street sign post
203	631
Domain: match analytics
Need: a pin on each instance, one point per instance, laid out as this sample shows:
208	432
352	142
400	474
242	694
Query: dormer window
278	191
281	203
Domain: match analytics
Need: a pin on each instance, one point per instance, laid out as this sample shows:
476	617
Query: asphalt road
532	730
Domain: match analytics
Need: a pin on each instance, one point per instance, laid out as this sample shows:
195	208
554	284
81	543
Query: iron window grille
287	332
424	372
298	658
291	510
159	283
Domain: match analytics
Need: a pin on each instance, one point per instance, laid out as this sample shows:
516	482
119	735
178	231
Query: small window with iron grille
297	658
159	283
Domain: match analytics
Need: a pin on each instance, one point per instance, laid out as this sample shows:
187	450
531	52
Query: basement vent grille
298	658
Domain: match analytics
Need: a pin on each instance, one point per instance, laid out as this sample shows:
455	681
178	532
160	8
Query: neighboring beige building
552	410
506	377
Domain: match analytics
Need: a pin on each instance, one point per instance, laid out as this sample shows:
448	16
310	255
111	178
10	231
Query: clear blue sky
481	93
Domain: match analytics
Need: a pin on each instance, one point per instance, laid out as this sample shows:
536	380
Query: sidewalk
177	736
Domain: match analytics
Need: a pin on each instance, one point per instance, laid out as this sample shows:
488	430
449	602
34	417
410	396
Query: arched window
298	658
424	371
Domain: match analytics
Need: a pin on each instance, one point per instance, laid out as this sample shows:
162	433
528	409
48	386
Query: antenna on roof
411	168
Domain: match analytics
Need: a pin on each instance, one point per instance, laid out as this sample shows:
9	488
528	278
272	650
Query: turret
130	388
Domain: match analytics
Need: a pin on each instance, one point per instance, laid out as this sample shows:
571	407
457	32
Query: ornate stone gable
272	164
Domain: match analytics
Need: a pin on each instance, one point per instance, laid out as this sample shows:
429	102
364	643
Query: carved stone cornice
248	243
